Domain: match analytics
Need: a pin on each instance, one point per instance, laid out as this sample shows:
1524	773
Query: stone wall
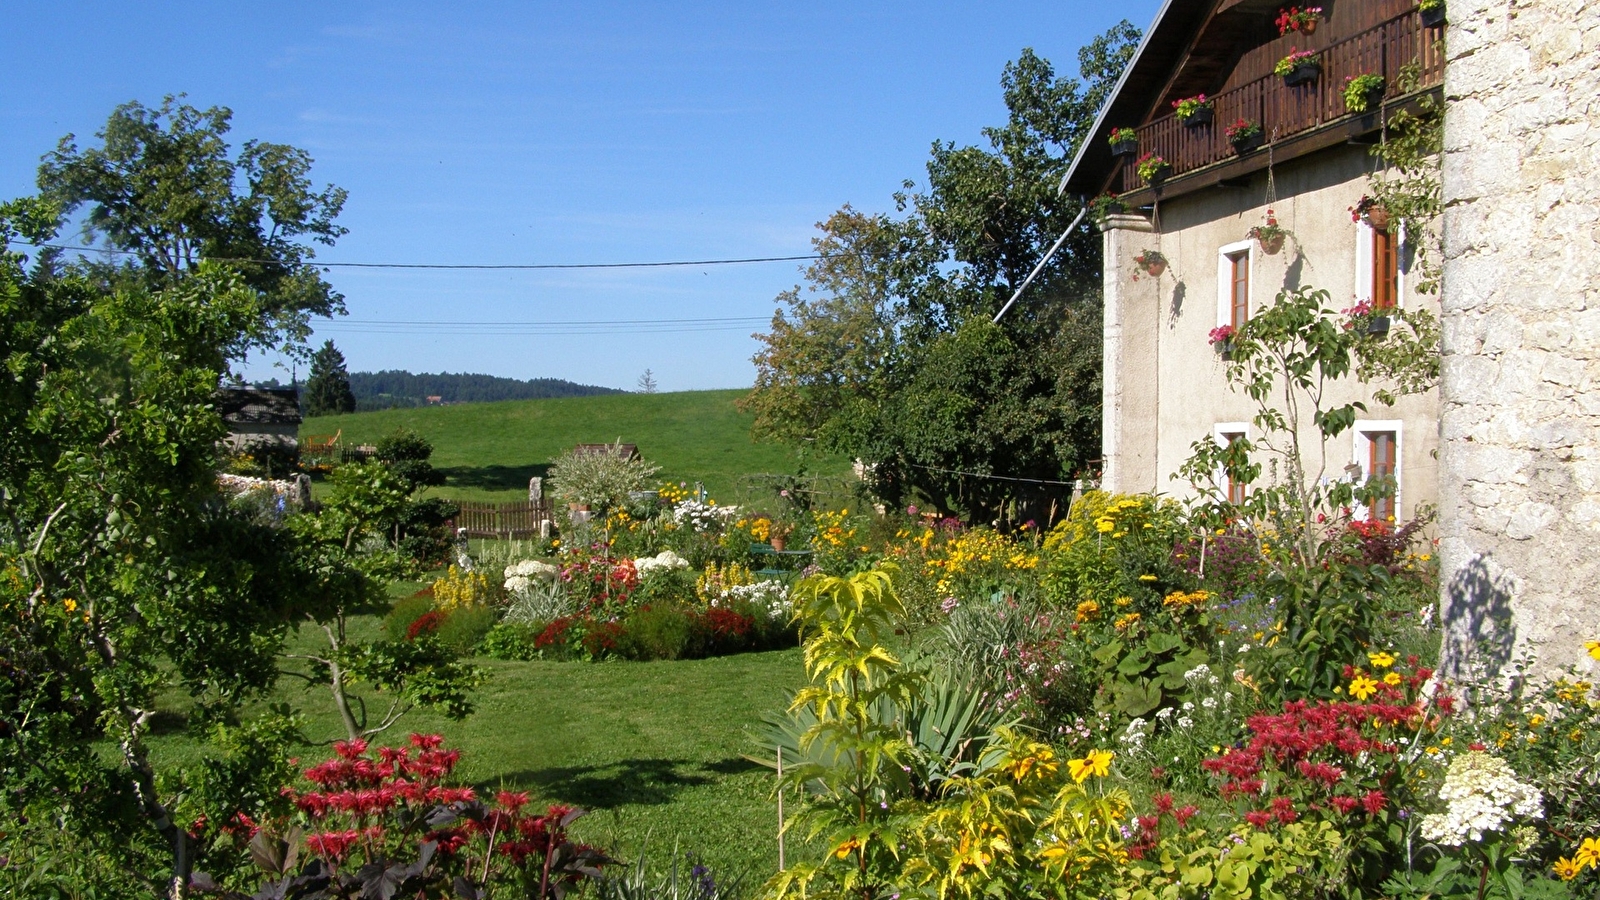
1520	418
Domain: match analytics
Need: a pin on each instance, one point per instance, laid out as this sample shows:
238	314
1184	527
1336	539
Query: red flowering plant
386	824
1295	18
600	581
1222	334
1355	763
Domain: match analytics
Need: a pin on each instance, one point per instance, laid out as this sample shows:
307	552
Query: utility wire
493	266
991	477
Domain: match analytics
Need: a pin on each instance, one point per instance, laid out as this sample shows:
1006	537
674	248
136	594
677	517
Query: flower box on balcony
1299	67
1124	142
1432	13
1194	111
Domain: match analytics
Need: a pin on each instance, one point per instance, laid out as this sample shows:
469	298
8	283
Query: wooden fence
519	519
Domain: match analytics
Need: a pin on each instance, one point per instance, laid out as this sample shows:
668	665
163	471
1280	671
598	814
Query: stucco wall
1520	518
1161	347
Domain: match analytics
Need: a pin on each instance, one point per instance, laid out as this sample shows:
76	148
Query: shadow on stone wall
1478	629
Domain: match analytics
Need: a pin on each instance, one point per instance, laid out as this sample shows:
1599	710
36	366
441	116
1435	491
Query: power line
991	477
569	327
471	266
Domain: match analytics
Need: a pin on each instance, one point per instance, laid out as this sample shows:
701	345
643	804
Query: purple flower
911	510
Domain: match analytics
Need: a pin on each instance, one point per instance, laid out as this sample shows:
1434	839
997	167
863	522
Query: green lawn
488	451
653	749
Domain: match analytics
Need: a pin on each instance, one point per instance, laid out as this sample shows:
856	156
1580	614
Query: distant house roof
259	406
625	451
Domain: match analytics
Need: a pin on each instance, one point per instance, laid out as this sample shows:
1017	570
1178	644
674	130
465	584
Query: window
1379	276
1225	434
1385	269
1377	454
1233	284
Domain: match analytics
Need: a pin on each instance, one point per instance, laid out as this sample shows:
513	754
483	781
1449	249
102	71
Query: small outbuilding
261	418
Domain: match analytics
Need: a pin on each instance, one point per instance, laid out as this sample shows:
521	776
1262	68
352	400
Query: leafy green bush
661	631
465	627
513	640
406	611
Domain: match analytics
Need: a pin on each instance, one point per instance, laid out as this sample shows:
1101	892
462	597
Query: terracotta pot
578	507
1201	116
779	543
1272	245
1155	269
1378	217
1309	27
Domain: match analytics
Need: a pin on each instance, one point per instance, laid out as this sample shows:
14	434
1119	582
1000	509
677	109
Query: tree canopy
889	352
165	187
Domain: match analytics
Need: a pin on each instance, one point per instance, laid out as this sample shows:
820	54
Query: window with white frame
1377	455
1379	275
1234	265
1225	434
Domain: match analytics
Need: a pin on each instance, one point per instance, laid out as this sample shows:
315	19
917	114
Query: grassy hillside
488	451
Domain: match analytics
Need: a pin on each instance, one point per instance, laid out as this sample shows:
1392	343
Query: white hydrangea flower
665	561
1481	795
521	575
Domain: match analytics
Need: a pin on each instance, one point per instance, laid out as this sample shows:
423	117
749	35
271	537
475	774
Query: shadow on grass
493	478
642	782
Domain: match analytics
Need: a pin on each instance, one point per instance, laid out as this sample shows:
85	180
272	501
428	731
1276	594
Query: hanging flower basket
1269	235
1378	326
1151	262
1370	210
1296	19
1124	142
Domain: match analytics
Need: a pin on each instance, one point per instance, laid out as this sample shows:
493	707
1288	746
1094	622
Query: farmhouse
1256	149
260	418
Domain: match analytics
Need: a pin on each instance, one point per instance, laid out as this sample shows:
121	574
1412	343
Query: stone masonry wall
1520	419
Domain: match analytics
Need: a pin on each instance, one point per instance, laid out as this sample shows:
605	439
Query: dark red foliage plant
385	822
427	623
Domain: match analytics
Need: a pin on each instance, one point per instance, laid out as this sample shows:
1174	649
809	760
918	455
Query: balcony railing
1284	110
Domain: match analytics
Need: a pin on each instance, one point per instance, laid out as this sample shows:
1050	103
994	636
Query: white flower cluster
521	575
1201	675
702	516
772	596
1134	736
1481	794
665	561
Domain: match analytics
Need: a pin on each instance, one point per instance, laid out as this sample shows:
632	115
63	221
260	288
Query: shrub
513	640
465	627
600	639
561	638
719	631
660	631
599	479
397	624
428	623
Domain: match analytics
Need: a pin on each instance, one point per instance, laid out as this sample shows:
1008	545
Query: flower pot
1433	18
1270	246
1375	98
1160	174
1308	27
1246	144
778	543
1125	148
577	507
1378	326
1305	73
1201	116
1378	217
1224	349
1155	269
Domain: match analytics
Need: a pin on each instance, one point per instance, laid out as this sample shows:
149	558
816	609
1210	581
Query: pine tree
647	382
328	388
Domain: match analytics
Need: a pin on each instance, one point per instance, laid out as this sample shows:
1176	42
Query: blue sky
554	133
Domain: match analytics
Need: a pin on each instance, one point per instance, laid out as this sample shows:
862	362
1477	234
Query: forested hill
394	388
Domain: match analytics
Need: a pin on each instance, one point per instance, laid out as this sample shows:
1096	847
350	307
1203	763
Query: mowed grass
488	451
654	750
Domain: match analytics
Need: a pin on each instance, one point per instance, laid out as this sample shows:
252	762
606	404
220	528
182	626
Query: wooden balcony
1288	112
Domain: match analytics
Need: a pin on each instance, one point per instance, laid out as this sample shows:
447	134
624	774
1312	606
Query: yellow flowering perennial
1363	686
978	550
1097	764
461	589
